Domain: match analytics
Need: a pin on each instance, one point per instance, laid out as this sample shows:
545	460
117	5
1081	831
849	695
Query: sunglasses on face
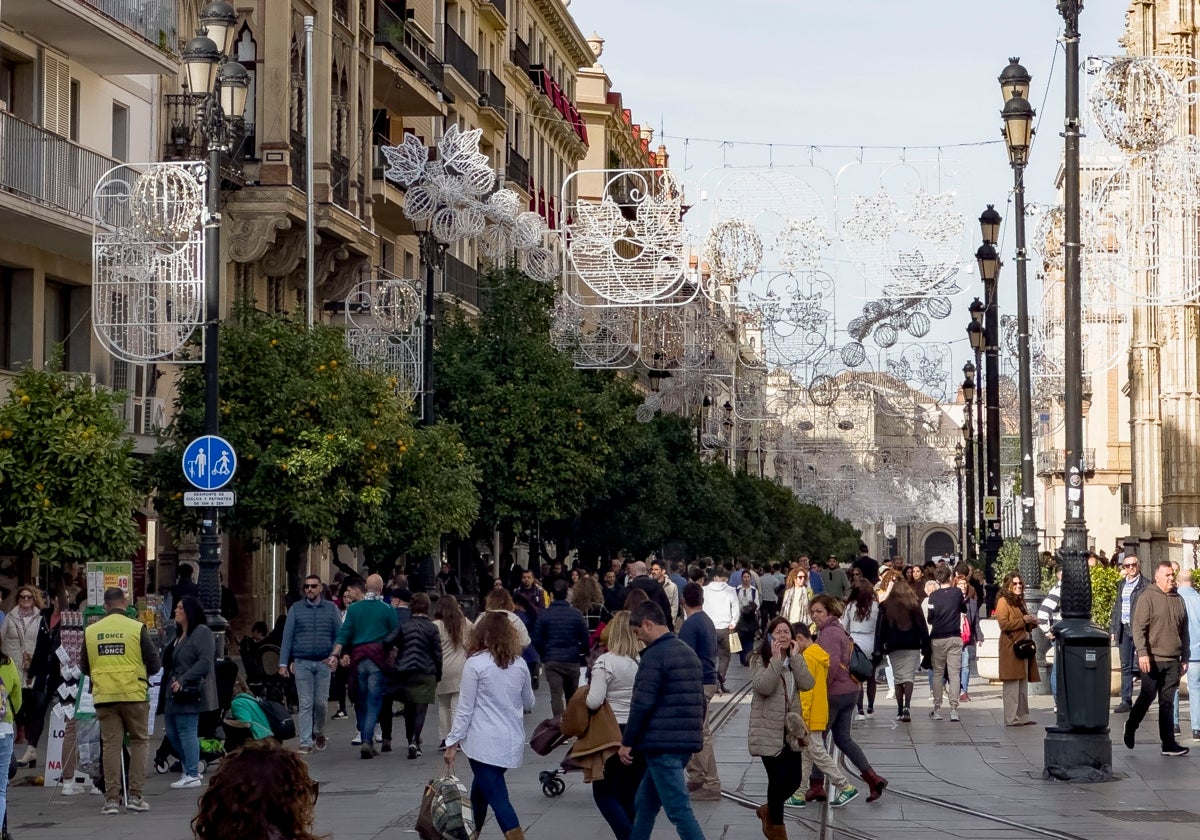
312	586
1131	565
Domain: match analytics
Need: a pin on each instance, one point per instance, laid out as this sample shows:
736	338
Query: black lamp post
989	271
1018	135
223	86
978	342
968	392
1080	739
958	475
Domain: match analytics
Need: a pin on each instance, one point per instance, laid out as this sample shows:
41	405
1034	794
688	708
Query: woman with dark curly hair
262	790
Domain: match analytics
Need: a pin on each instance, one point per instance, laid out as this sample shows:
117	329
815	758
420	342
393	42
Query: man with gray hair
368	623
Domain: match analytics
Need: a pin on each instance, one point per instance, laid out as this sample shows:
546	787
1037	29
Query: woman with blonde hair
489	724
797	595
612	682
26	641
455	631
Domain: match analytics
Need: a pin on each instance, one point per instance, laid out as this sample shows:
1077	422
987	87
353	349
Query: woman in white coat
489	725
455	632
860	620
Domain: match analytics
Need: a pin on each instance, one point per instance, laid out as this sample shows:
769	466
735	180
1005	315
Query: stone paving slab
979	764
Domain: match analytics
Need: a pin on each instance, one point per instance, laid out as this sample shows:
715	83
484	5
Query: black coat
654	590
666	713
561	634
420	647
1115	627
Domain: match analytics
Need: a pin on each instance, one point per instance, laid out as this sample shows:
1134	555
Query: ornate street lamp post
1079	742
1018	135
223	86
958	474
978	341
968	392
989	271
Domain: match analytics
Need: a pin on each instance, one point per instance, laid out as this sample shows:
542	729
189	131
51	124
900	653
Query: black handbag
189	694
1024	649
860	666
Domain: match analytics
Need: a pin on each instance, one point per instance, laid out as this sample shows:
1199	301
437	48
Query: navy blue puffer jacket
666	714
561	634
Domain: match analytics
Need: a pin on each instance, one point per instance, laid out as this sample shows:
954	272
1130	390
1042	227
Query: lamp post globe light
1079	745
220	87
1018	137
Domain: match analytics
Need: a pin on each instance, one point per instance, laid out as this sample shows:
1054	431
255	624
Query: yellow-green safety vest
114	648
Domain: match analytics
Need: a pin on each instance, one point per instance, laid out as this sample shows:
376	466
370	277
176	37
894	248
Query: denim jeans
663	788
6	749
489	788
312	690
182	733
1193	683
964	676
1129	664
370	698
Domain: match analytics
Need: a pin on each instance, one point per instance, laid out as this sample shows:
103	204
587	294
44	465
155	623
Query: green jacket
12	687
367	621
245	707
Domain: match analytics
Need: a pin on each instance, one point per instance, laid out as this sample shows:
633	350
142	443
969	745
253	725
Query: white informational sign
54	747
209	498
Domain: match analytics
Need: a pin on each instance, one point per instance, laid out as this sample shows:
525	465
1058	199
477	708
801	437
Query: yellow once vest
114	649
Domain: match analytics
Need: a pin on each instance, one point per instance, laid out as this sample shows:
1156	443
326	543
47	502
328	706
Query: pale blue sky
849	72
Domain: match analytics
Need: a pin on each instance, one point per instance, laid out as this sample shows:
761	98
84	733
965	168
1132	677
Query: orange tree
327	450
67	471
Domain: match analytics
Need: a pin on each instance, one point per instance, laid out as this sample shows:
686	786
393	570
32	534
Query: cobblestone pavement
939	773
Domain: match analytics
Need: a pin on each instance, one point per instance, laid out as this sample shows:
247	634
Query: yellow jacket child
814	703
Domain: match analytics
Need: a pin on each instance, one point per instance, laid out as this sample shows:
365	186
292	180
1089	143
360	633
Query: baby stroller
547	737
212	735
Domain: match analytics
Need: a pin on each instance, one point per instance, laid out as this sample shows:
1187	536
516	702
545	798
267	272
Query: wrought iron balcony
109	37
339	172
1054	462
299	150
516	169
520	54
461	57
154	20
491	90
186	141
47	168
391	32
462	281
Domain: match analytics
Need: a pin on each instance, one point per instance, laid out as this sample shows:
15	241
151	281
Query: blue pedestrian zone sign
209	462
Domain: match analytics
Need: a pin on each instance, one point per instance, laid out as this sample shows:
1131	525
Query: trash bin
1082	652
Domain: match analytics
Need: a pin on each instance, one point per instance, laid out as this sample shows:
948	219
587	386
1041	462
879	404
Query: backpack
282	725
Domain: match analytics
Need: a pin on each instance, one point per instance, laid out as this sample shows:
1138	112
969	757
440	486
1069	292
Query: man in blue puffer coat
666	720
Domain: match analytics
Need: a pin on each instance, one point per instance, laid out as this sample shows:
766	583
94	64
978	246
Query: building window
74	127
246	51
17	84
120	132
1126	503
57	323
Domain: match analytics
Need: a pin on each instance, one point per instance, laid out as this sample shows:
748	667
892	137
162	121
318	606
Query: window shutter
56	93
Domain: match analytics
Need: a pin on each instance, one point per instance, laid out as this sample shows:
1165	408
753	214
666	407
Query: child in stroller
212	733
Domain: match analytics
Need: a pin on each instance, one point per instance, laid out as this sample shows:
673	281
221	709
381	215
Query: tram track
826	829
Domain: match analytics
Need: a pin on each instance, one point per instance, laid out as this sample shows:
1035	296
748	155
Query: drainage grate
993	744
1164	816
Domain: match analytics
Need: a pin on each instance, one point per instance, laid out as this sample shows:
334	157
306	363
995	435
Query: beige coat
770	702
453	659
1012	629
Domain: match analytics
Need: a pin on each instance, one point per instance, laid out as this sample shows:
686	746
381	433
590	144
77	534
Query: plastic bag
445	811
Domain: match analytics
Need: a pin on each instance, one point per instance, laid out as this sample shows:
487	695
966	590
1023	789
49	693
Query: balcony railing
491	90
154	20
516	169
1126	513
43	167
339	171
1054	462
299	150
341	10
544	82
462	281
390	32
461	57
520	54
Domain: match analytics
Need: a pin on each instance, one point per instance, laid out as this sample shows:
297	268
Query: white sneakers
78	786
186	781
954	715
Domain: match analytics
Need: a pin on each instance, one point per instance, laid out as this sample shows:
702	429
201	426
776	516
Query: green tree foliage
561	453
540	433
67	470
326	449
1105	581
